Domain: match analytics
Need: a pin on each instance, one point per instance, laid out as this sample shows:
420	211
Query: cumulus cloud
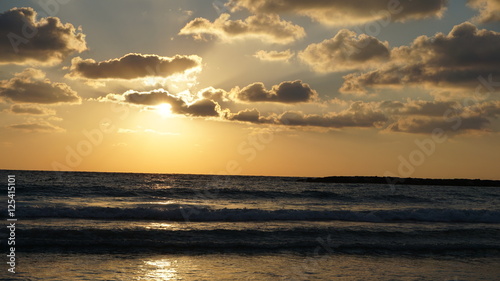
345	51
31	86
424	117
359	114
211	93
418	107
489	10
28	40
249	115
274	55
427	125
412	116
30	109
341	12
453	60
285	92
198	108
489	109
269	28
132	66
42	127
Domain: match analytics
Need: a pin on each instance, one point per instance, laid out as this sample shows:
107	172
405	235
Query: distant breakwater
404	181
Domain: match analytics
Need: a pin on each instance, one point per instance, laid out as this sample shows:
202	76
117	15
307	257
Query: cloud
249	115
426	125
42	127
489	109
31	86
449	61
211	93
359	114
285	92
30	109
346	51
489	10
341	12
412	116
269	28
424	117
27	40
274	55
198	108
133	66
418	107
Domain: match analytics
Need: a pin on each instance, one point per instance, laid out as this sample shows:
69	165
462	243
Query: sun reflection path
160	269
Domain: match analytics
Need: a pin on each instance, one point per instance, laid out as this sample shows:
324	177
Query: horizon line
246	175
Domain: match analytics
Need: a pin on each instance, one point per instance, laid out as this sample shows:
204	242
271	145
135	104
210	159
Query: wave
195	213
475	242
179	192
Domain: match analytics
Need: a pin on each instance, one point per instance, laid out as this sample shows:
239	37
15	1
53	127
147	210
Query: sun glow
154	81
164	109
161	269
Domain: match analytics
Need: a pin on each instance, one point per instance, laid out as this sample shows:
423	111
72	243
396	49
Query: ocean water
112	226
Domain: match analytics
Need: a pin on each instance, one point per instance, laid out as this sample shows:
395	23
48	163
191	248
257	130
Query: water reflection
160	269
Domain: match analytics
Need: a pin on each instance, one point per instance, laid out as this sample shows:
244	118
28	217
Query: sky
252	87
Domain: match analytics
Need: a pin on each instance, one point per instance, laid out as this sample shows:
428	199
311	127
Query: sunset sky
252	87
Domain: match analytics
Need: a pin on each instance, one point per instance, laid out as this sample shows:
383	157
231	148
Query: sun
164	109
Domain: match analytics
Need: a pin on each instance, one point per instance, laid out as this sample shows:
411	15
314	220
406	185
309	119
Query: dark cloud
133	66
489	10
211	93
251	116
269	28
489	109
345	51
150	98
42	127
341	12
453	124
424	117
25	39
418	117
198	108
31	86
201	108
285	92
30	109
423	108
359	114
453	60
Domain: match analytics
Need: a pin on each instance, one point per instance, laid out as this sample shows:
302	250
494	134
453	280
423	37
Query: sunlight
153	81
161	269
164	109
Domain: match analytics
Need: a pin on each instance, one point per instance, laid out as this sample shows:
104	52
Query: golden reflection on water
159	269
160	225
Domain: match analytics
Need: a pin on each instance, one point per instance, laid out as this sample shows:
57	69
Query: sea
132	226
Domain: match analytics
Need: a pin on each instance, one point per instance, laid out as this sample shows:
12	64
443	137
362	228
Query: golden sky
252	87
